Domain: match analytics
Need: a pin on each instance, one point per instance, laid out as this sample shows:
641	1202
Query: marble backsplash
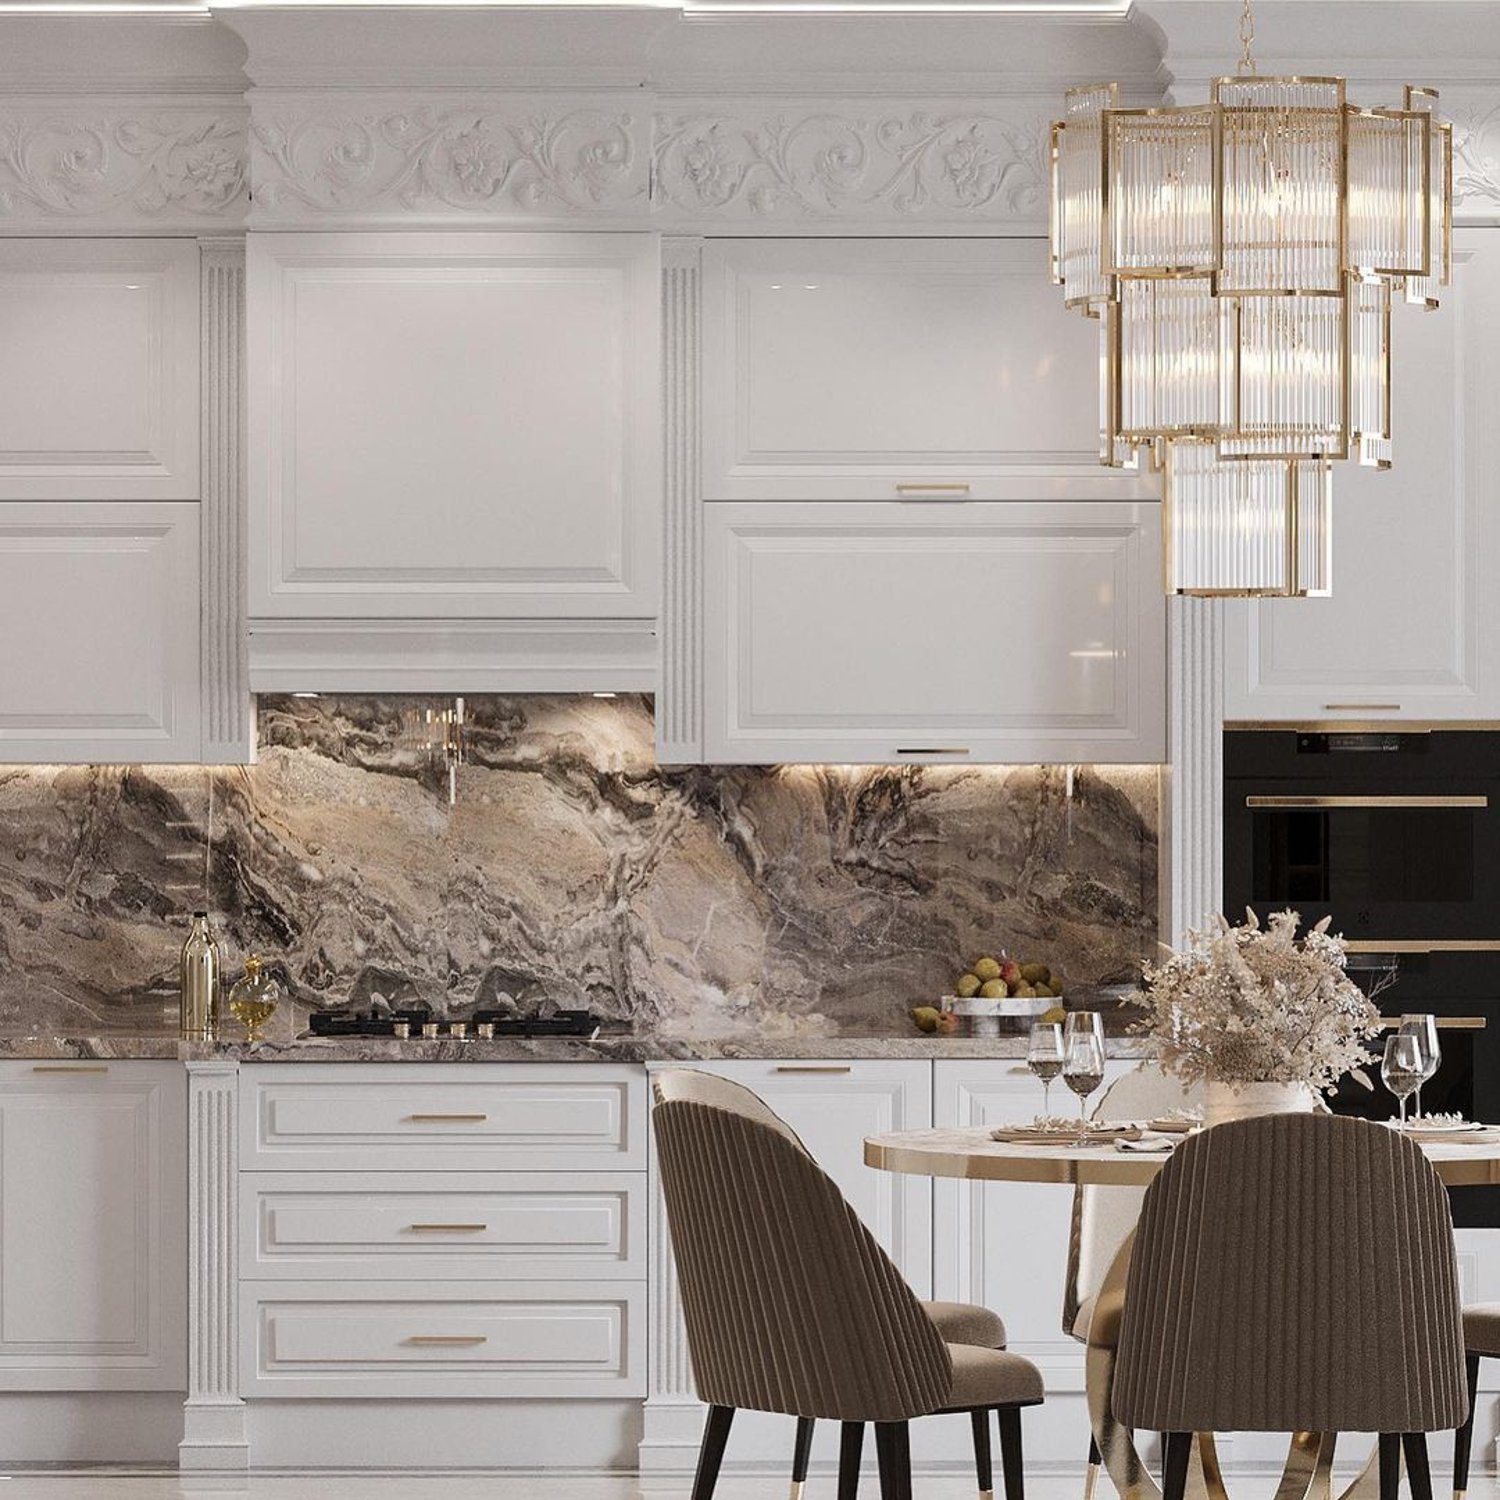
709	902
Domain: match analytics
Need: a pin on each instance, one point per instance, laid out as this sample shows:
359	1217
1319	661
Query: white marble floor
160	1486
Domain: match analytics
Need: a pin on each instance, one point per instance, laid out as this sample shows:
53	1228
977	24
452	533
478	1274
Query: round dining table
972	1154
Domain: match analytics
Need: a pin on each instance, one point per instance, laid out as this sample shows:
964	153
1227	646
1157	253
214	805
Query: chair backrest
1104	1216
790	1304
723	1093
1293	1273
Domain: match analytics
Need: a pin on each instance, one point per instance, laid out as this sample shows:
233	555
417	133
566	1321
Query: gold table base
1306	1475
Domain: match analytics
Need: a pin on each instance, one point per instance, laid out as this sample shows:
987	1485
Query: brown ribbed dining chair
1294	1273
1481	1341
791	1306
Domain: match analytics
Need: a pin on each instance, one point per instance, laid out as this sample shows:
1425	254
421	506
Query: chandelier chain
1247	40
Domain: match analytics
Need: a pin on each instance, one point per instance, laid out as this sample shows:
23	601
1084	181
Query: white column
1193	787
673	1419
679	697
213	1417
228	708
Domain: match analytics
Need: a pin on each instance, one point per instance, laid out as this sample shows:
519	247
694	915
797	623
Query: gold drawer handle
447	1119
814	1068
932	749
466	1339
1293	802
449	1228
1362	708
70	1068
918	490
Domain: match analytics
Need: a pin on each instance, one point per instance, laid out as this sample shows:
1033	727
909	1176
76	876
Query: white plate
1420	1127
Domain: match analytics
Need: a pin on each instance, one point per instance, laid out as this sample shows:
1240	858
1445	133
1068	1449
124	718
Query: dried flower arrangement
1251	1004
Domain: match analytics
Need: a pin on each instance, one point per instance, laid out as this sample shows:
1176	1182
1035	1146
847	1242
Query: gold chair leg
1090	1480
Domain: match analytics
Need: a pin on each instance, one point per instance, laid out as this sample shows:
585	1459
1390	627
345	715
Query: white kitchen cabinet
454	425
99	381
99	614
869	369
1412	630
93	1263
966	632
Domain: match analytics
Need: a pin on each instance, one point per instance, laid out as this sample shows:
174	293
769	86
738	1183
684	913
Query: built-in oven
1396	836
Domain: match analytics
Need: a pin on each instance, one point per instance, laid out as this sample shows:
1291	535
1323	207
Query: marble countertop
629	1047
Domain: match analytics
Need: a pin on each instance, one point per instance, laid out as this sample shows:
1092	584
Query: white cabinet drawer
540	1117
535	1339
456	1226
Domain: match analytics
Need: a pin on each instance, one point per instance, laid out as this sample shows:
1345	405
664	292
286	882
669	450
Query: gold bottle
199	973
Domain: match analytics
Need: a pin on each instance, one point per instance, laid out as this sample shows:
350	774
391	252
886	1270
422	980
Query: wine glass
1424	1028
1401	1067
1083	1061
1044	1056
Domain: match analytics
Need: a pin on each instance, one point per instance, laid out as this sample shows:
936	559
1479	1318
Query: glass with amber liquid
253	1000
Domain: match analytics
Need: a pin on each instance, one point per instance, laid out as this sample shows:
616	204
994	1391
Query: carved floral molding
1476	159
168	166
431	160
916	164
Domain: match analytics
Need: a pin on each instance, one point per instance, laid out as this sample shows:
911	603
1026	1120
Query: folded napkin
1150	1140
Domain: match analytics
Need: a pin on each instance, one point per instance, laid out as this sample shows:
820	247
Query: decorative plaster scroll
1476	159
923	163
123	165
506	158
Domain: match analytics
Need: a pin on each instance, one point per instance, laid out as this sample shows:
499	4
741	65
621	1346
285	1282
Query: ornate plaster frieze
910	164
126	164
1476	153
497	158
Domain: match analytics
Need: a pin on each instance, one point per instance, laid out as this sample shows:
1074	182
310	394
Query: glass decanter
253	999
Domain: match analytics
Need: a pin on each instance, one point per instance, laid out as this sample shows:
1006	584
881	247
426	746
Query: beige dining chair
1481	1341
1103	1217
1294	1273
791	1306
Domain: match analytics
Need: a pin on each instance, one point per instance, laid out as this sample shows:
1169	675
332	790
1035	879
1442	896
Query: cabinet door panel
843	369
99	614
453	425
890	632
99	370
1412	629
93	1289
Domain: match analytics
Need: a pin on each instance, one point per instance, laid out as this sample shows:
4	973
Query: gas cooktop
419	1024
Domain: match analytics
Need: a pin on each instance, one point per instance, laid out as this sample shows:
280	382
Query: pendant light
1241	258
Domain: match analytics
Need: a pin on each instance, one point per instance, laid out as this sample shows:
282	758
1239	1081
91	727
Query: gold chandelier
1241	257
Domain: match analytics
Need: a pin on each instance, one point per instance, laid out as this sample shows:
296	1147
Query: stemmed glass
1424	1029
1044	1056
1401	1068
1083	1061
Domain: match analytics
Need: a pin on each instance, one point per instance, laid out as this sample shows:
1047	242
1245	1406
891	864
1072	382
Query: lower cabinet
99	614
93	1260
376	1262
934	631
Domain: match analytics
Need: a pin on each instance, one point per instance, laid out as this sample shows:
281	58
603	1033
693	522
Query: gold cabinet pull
1367	801
813	1068
1422	945
932	749
467	1339
1362	708
69	1068
917	491
447	1119
449	1228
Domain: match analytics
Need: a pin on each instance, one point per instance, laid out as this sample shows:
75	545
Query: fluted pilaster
1193	806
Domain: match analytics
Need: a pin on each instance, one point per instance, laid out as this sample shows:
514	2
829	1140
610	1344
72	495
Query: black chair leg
1163	1438
801	1452
893	1448
979	1420
1390	1466
851	1447
1010	1453
1174	1467
711	1454
1418	1475
1092	1477
1463	1439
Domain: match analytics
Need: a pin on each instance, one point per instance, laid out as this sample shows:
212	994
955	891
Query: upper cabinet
99	386
886	369
1412	630
454	426
959	632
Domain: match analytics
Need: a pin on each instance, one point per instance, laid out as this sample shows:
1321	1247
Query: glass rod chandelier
1241	257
